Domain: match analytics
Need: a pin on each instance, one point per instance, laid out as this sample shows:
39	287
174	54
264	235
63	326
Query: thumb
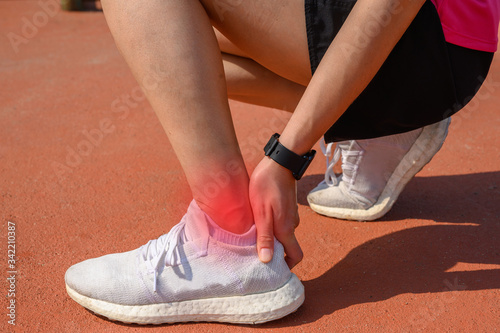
265	236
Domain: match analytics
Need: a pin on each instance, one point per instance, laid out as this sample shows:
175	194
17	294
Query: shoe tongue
351	145
196	223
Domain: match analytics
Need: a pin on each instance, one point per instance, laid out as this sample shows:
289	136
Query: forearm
360	48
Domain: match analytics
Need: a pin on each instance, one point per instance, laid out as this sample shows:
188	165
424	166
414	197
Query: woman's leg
249	82
173	53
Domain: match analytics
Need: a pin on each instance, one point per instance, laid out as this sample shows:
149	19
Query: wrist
277	171
288	159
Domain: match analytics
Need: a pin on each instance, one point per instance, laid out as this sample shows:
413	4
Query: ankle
236	218
238	239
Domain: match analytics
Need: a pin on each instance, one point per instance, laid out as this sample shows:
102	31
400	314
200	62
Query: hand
274	203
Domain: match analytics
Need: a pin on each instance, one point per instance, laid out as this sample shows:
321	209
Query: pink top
470	23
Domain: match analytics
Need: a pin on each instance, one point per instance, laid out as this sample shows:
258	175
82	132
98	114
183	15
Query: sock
224	236
199	223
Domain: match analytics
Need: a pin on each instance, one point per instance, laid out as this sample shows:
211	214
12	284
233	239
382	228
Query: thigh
227	46
272	32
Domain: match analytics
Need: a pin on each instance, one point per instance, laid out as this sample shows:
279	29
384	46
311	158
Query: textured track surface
431	264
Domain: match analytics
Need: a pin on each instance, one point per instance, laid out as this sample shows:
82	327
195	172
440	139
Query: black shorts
424	80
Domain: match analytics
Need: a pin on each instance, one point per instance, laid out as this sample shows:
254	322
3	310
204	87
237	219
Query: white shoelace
163	247
331	178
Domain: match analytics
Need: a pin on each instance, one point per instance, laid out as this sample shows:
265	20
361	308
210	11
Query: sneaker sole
421	152
248	309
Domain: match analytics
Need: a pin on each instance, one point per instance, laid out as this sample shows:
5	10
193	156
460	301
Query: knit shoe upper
374	172
188	275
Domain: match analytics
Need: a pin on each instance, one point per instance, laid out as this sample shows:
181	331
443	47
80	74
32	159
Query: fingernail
265	255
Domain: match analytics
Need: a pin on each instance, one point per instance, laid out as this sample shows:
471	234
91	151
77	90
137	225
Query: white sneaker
196	272
374	172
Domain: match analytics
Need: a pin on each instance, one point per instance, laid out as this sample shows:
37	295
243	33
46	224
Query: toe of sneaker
333	197
88	278
111	278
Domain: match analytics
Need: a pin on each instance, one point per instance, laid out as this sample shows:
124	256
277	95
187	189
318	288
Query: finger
293	251
265	236
286	235
296	219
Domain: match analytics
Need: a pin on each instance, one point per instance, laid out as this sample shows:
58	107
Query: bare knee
217	10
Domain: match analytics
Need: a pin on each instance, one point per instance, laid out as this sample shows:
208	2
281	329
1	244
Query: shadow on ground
418	259
470	198
414	260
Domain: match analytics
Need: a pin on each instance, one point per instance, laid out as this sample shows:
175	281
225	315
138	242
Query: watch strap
287	158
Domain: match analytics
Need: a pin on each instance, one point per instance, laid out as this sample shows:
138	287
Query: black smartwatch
280	154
